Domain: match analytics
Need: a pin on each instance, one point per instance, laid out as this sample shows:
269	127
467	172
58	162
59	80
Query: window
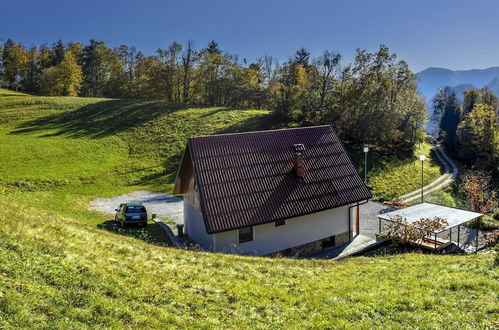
135	209
280	222
245	234
328	242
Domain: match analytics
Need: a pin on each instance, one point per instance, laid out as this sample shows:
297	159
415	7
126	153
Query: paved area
467	238
369	224
451	172
359	244
369	227
367	237
165	206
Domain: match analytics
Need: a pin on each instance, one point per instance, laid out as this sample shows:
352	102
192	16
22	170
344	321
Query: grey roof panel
453	216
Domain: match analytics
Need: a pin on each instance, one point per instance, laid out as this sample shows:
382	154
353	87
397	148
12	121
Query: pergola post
458	234
357	222
476	242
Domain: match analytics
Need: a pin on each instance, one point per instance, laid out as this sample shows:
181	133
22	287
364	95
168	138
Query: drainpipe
357	217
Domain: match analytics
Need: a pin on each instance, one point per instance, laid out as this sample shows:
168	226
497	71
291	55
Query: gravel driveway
163	205
368	219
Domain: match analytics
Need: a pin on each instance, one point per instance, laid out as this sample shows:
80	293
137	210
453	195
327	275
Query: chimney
299	163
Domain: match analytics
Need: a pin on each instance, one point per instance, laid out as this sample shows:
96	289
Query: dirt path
451	172
165	206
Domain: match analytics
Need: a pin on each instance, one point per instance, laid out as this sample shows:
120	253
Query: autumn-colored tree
478	135
15	64
64	78
471	97
149	82
478	189
51	84
400	230
70	74
300	75
372	101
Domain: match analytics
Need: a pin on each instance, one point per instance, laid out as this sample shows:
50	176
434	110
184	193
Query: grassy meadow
60	268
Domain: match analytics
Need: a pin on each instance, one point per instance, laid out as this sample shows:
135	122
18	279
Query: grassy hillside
59	269
61	152
57	272
392	176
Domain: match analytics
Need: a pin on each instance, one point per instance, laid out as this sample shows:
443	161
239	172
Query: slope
59	269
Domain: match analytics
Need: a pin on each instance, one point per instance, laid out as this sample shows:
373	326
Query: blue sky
447	33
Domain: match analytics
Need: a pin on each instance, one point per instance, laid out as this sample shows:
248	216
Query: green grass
61	152
63	266
33	157
392	176
75	276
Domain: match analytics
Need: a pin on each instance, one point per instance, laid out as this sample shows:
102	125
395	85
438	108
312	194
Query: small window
280	222
328	242
245	234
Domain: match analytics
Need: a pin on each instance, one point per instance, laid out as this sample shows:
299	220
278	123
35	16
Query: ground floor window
280	223
245	234
328	242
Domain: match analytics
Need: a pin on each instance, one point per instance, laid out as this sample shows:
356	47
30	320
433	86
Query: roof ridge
262	131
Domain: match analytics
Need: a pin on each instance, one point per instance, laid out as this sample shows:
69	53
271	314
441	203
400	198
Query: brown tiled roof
247	179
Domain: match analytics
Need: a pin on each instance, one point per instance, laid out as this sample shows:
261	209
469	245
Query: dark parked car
131	213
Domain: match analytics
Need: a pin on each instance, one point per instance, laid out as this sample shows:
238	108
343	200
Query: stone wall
312	247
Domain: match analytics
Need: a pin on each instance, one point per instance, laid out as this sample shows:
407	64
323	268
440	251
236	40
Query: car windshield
135	209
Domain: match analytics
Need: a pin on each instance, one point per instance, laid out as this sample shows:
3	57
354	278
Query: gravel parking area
369	217
165	206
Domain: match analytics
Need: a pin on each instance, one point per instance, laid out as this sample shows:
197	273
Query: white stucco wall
297	231
195	227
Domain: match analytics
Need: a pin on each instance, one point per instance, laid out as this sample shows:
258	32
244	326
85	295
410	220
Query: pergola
454	217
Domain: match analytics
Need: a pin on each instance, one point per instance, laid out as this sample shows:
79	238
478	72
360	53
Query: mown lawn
62	265
74	275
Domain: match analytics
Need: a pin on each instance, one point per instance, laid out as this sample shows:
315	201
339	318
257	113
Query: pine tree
447	107
302	57
34	72
57	53
213	49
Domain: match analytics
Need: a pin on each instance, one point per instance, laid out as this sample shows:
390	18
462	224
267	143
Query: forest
469	128
372	101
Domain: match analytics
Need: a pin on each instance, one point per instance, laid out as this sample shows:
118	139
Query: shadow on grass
393	248
102	118
152	233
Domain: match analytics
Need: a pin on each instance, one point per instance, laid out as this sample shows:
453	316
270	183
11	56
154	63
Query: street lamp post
366	150
422	158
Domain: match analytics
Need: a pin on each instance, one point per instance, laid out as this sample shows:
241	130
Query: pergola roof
454	217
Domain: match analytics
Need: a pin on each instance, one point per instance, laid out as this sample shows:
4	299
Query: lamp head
366	149
422	158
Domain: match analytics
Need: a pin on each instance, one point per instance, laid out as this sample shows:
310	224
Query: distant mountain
431	79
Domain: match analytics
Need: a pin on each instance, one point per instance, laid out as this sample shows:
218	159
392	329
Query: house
258	193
